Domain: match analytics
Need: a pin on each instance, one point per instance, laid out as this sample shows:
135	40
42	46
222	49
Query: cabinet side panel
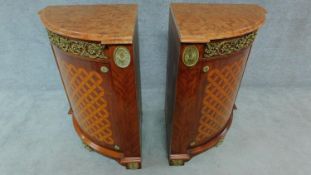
138	81
137	70
171	74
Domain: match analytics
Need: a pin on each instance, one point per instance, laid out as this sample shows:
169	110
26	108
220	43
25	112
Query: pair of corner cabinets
96	51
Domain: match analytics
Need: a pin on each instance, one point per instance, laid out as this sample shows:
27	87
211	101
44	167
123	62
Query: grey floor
270	135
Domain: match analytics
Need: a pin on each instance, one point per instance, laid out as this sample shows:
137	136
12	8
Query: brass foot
88	147
132	165
70	111
221	140
235	107
176	162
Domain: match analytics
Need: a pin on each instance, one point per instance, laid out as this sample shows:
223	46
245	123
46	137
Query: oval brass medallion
190	56
122	57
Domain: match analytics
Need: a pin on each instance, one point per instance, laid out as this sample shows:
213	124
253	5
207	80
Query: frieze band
226	47
78	47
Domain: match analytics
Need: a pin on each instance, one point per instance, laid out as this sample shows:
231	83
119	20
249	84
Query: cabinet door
219	84
88	87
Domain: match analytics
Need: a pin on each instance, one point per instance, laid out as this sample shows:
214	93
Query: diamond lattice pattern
218	100
87	97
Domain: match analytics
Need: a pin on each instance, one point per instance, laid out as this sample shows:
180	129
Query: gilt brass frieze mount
228	46
78	47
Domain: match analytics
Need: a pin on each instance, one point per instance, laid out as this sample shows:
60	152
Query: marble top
109	24
198	22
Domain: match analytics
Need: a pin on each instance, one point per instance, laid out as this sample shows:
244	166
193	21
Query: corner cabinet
209	45
96	50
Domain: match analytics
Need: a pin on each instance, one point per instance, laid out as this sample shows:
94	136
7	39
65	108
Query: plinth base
180	159
128	162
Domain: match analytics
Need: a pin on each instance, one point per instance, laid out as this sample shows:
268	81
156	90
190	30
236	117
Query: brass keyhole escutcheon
190	56
116	147
205	69
104	69
122	57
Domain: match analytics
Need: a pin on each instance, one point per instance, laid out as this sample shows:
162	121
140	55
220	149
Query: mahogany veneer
96	50
209	45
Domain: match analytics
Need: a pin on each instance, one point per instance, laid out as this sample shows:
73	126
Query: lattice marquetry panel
87	97
219	93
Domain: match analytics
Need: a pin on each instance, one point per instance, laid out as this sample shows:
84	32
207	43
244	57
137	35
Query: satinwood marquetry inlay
219	95
88	100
